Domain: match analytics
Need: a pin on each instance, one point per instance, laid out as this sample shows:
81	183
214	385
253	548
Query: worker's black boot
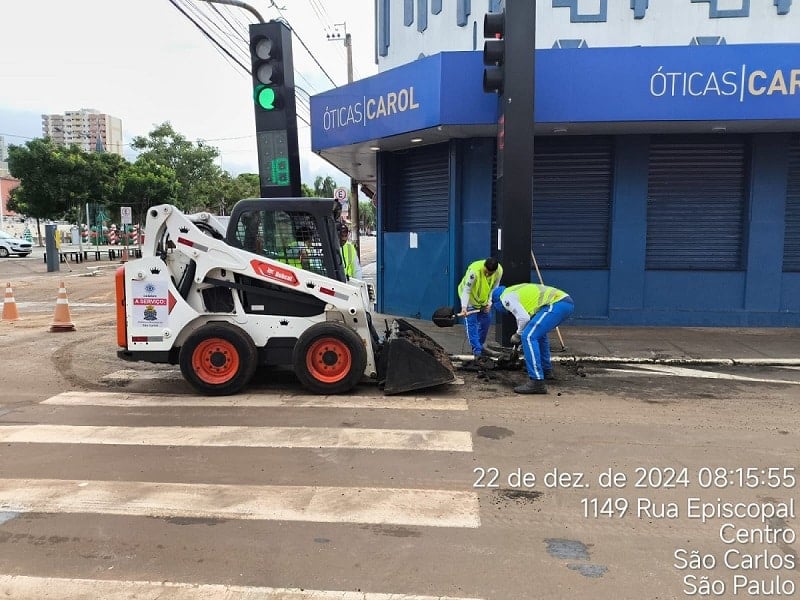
549	375
533	386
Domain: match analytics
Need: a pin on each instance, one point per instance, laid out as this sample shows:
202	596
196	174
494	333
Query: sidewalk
674	345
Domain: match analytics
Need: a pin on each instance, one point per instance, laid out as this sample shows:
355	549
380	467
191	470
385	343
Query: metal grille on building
419	189
696	203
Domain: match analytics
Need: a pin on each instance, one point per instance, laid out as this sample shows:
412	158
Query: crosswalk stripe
255	401
320	504
61	588
239	436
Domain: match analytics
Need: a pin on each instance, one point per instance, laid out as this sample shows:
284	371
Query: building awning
730	88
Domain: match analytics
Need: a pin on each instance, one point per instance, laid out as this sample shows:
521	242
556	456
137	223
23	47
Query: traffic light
494	52
275	109
271	54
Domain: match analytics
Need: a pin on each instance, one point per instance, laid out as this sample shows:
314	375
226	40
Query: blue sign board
686	83
675	83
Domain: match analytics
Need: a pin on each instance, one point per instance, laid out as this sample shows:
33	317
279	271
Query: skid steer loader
267	290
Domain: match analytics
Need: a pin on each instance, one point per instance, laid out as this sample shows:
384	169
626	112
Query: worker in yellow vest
538	309
475	292
349	255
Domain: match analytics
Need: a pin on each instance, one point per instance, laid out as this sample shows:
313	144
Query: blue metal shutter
419	189
696	203
791	239
572	202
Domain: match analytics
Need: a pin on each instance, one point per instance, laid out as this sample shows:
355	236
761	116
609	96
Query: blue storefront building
666	177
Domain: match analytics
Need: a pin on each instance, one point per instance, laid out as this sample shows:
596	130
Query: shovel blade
444	317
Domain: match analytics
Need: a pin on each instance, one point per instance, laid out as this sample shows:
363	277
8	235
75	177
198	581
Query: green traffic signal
265	98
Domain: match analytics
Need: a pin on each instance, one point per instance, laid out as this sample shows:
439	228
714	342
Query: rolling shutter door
420	189
696	203
791	240
572	202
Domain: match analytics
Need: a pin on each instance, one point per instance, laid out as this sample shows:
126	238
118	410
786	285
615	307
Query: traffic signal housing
494	52
275	109
270	54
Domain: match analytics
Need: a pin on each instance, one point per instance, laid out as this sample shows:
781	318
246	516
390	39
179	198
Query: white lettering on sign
741	83
370	109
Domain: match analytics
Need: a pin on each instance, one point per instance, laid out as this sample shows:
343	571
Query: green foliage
144	184
324	187
366	215
58	181
229	190
193	165
306	191
44	170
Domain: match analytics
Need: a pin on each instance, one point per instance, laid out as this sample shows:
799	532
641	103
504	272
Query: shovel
445	316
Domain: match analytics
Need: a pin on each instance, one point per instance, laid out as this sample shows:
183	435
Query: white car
10	245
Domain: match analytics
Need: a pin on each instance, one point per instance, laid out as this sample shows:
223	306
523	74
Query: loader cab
300	232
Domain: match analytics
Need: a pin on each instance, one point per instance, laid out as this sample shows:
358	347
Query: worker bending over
538	309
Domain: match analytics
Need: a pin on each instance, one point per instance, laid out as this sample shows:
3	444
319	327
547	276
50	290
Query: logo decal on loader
274	272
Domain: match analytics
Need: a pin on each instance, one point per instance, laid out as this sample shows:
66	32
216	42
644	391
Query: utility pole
335	36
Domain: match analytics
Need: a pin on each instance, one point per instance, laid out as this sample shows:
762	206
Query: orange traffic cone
61	319
10	312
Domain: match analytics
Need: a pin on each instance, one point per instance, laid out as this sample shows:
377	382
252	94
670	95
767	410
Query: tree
144	184
92	177
306	191
366	215
43	171
195	172
324	187
229	190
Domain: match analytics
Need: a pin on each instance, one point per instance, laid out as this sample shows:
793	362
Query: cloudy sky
146	63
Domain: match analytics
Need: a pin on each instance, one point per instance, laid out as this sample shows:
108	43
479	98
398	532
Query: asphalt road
117	481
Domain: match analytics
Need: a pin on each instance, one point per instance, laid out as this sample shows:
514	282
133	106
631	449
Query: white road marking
239	436
23	587
676	371
395	506
256	401
49	305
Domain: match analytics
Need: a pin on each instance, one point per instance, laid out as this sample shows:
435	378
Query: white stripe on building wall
395	506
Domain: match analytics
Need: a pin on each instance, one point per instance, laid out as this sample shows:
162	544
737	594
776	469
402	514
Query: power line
225	38
210	37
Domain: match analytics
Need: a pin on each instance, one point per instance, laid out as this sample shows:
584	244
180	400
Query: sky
145	63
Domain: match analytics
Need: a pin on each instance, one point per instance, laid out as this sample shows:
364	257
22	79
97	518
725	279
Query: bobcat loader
267	290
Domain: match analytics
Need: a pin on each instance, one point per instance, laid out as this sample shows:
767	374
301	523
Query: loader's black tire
329	358
218	359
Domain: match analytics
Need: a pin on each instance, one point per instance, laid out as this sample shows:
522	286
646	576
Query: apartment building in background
88	128
3	156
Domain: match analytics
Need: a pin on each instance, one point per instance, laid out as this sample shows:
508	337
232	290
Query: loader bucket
412	360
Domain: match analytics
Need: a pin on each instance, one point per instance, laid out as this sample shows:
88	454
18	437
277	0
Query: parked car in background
10	245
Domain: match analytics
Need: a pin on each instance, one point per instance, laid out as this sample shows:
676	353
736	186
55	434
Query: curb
728	362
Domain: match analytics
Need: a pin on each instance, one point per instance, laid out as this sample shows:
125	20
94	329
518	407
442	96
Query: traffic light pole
512	51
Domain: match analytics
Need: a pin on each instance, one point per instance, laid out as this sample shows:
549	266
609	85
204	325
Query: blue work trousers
535	344
477	327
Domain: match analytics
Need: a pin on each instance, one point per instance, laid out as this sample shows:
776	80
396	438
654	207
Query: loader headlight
371	293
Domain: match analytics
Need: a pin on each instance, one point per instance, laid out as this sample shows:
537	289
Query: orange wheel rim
215	361
329	360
